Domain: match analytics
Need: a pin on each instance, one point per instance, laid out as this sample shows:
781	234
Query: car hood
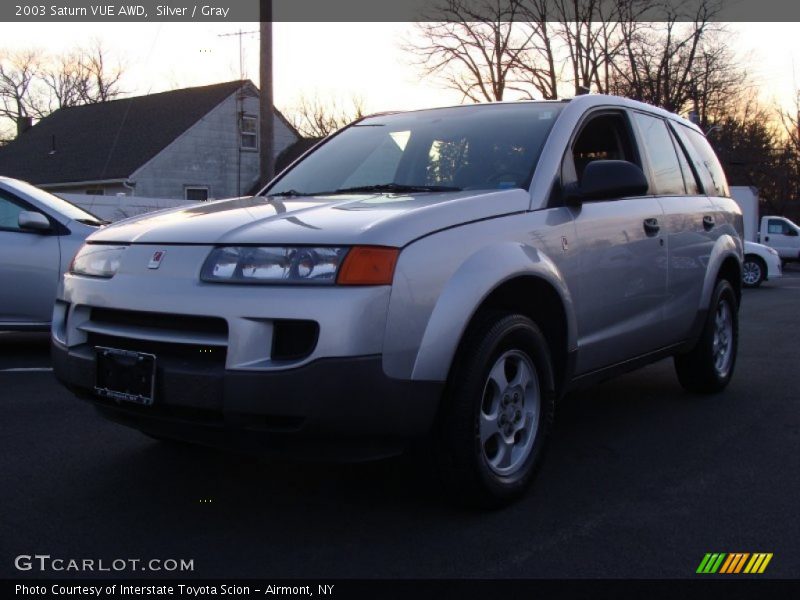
754	248
381	219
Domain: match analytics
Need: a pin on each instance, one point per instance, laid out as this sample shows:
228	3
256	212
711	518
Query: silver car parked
39	235
442	274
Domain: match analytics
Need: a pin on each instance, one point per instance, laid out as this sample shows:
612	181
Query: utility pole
239	104
267	111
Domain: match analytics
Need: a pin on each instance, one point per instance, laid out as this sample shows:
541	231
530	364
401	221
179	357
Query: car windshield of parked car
56	204
484	147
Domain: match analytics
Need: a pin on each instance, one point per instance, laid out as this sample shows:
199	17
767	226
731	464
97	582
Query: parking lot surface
641	481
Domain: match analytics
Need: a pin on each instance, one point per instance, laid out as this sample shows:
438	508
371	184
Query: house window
248	128
95	191
197	193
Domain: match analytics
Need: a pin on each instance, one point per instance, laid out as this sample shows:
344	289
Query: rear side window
705	161
667	176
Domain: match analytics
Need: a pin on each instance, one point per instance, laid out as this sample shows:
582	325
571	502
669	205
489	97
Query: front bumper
254	367
339	408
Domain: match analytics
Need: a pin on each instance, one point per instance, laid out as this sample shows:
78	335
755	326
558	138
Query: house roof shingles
108	140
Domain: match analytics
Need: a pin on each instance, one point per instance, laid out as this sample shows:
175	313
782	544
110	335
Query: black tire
699	370
755	267
461	457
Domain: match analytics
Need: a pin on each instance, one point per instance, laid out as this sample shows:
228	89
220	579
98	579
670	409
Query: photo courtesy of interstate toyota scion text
440	276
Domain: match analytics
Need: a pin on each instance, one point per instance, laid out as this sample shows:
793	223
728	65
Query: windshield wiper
288	194
97	222
399	188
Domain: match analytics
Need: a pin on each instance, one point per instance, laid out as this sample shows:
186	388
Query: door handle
766	238
651	226
708	222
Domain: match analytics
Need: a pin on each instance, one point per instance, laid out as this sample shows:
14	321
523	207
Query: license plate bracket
125	375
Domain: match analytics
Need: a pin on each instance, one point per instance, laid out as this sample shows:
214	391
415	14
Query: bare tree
316	118
538	64
474	47
587	30
485	48
19	72
790	119
101	80
33	84
667	63
65	79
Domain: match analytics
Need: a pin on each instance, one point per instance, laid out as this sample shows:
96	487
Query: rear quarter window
705	161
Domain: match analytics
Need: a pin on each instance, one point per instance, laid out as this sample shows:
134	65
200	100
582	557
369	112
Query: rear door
622	256
29	268
689	224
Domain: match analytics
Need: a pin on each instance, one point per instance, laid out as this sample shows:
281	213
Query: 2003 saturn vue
441	275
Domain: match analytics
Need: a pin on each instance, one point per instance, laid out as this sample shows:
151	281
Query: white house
194	143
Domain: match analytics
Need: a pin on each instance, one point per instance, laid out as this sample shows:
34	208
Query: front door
29	269
623	258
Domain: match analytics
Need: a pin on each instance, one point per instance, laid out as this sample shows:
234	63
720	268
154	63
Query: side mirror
34	221
608	179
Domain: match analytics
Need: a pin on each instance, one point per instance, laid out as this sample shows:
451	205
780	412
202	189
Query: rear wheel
708	367
497	411
754	271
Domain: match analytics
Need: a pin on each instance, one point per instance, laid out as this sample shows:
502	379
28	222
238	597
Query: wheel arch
540	301
724	262
530	284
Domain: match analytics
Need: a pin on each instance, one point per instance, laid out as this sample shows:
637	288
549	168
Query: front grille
194	356
183	323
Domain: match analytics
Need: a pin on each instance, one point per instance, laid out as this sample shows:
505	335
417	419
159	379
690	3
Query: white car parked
761	263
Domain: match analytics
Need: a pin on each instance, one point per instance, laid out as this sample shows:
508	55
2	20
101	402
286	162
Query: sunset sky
337	60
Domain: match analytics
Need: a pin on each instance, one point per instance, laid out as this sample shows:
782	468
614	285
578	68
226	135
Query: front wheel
753	271
708	367
497	410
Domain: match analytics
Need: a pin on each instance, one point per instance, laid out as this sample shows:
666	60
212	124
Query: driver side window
604	137
9	214
776	226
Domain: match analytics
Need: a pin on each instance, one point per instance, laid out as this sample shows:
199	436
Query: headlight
96	260
359	265
279	264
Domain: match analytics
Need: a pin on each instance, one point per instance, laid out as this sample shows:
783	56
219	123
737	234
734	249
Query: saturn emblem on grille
155	262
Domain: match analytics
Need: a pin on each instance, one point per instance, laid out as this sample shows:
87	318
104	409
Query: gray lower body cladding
338	408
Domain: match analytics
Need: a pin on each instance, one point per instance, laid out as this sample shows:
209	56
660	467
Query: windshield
54	203
491	146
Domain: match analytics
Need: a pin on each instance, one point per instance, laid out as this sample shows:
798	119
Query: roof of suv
587	100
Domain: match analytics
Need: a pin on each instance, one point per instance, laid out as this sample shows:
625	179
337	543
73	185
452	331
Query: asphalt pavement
641	481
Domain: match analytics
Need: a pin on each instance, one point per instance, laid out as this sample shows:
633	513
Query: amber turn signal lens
368	265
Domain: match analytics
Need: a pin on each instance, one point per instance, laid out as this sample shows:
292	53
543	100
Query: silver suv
444	275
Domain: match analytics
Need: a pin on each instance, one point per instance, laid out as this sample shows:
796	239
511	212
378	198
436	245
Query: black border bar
367	11
705	587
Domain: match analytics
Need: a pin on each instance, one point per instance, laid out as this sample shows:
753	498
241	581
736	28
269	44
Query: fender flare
725	247
475	279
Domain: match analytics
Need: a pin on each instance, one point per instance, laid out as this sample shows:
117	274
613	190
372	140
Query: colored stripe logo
733	563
